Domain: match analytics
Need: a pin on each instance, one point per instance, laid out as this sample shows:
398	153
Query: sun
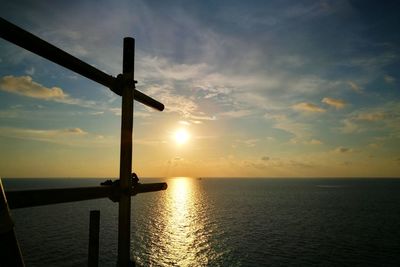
181	136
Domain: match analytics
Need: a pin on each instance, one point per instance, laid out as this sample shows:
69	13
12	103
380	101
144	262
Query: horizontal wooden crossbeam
39	197
30	42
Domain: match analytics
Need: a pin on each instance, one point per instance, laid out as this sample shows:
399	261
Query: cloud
385	117
300	131
341	149
236	113
97	113
375	145
175	162
41	135
373	63
266	162
184	123
314	142
308	107
257	165
25	86
389	79
162	68
214	91
349	127
276	117
116	111
77	131
371	116
197	119
149	142
66	136
175	103
12	113
228	87
249	142
355	87
233	88
337	103
30	71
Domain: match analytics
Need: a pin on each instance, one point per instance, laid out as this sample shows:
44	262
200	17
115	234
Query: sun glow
181	136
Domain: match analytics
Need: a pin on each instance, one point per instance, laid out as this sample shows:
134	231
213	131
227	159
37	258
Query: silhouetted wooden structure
121	191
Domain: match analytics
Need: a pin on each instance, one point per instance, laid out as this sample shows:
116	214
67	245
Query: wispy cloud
308	107
268	163
30	71
116	111
186	123
337	103
236	113
389	79
173	103
41	135
249	142
349	127
67	136
371	116
149	142
342	150
97	113
167	71
314	142
197	119
355	87
384	118
299	131
374	63
10	113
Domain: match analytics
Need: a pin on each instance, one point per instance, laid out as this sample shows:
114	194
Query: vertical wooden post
124	212
10	252
94	229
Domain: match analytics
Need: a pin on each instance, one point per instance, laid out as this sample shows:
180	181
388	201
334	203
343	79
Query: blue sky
263	88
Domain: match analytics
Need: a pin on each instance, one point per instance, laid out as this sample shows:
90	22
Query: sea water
223	222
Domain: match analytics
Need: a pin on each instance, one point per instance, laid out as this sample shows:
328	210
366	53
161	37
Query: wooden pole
124	213
10	252
94	230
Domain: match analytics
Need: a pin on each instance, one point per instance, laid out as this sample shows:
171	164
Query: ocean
224	222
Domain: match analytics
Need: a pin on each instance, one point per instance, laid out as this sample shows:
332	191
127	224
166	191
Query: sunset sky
251	89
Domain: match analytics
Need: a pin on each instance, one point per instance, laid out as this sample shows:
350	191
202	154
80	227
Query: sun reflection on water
179	229
184	237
